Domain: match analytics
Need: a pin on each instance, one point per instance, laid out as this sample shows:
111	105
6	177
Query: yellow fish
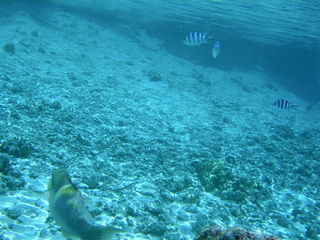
68	210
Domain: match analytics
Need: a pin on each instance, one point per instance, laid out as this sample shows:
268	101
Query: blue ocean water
162	139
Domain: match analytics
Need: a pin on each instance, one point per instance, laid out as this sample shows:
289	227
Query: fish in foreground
197	38
68	210
216	49
284	104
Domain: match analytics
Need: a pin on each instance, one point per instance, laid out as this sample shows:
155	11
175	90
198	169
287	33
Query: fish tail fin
101	233
210	36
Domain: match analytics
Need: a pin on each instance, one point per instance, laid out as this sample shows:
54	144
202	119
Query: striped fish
284	104
197	38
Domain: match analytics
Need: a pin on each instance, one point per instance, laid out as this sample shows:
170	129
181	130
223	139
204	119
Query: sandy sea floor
158	146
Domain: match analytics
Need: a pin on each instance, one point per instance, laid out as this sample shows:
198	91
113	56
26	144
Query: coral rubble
215	233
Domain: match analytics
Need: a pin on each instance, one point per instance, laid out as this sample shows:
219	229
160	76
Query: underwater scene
159	119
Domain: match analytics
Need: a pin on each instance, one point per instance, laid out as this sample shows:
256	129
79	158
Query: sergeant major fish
284	104
197	38
68	210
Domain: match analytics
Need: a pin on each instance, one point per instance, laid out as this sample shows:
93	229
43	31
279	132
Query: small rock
5	166
146	188
156	229
182	216
132	211
35	33
154	76
153	210
9	48
13	213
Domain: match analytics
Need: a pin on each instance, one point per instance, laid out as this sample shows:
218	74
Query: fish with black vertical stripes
285	104
197	38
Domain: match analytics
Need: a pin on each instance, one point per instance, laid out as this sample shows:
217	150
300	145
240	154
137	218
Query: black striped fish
284	104
197	38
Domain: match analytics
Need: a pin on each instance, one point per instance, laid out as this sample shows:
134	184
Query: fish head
59	179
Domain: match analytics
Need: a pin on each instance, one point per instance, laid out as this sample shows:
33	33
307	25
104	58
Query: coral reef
215	233
17	147
218	177
10	178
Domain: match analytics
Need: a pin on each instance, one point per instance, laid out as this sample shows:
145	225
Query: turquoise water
161	139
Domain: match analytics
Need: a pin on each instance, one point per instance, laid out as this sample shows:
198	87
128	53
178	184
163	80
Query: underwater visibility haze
154	119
